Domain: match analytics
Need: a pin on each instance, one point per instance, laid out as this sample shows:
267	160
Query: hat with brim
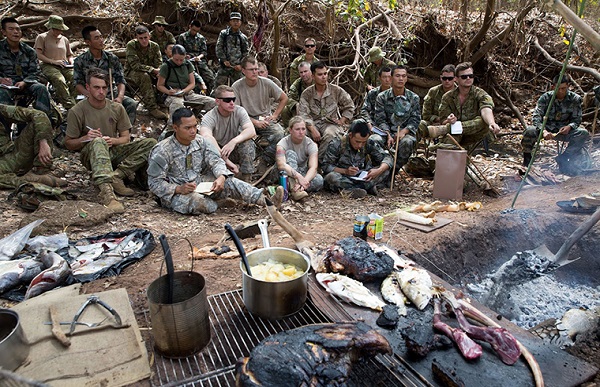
235	15
375	54
56	22
160	20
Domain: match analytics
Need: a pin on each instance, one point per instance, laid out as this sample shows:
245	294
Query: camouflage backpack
28	196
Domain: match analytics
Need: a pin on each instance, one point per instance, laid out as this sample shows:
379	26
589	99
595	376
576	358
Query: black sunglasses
467	76
310	45
447	78
228	99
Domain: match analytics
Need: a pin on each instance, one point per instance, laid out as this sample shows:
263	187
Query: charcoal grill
235	332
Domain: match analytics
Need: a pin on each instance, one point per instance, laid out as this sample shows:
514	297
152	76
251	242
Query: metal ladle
264	232
239	247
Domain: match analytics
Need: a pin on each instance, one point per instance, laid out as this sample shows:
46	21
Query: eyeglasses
228	99
310	45
447	78
466	76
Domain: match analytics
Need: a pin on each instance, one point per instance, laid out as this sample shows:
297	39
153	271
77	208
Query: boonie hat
160	20
56	22
235	15
375	54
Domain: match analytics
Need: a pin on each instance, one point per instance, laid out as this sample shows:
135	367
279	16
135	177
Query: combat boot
47	179
107	198
298	196
118	185
157	113
526	159
438	130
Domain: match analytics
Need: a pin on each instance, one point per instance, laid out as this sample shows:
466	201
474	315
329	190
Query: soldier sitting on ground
263	71
161	36
178	164
143	62
33	148
298	156
354	155
563	122
229	128
310	46
295	91
99	128
367	111
232	47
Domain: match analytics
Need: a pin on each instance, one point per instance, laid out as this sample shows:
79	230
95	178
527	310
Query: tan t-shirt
256	99
225	128
53	49
111	119
303	150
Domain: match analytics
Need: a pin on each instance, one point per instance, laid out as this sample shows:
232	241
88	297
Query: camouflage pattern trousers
207	75
39	92
316	184
406	147
61	78
577	139
329	132
474	131
196	203
226	76
144	82
102	160
272	134
18	156
244	155
174	103
336	181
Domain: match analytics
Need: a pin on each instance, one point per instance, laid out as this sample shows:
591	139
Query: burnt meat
389	317
355	258
312	355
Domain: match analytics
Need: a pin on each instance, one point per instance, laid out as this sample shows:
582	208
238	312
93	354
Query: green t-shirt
176	77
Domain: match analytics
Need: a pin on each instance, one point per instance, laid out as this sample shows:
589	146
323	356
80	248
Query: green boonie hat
160	20
375	54
56	22
235	15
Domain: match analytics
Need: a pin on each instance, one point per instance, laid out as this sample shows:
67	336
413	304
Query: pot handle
169	261
239	246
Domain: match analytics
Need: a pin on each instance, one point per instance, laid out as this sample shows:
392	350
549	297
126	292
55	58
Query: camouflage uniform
24	66
431	109
108	61
293	97
340	154
334	102
469	113
232	47
60	77
172	164
367	111
102	159
194	46
139	66
401	112
563	113
294	74
372	71
22	154
163	41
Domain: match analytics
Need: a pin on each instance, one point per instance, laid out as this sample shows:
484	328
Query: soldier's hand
390	140
352	171
185	189
45	154
232	166
109	140
315	134
20	85
495	128
119	99
237	67
6	81
373	173
227	63
564	130
452	118
548	135
218	184
227	149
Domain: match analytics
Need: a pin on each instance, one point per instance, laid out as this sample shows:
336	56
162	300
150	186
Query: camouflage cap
235	15
160	20
56	22
375	54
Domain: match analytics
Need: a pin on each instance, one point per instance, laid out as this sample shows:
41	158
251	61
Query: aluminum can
283	181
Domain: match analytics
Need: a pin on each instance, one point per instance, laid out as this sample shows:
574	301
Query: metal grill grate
235	332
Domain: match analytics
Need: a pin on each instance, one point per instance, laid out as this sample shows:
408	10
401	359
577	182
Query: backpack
29	196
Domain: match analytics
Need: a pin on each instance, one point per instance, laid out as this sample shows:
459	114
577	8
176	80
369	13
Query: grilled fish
391	292
349	290
313	355
56	274
416	285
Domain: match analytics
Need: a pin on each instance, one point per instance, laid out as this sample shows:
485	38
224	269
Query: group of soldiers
312	133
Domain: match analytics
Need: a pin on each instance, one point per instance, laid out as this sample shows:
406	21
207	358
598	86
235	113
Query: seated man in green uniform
99	128
197	53
377	60
178	165
296	89
563	122
356	163
161	36
310	46
433	99
33	148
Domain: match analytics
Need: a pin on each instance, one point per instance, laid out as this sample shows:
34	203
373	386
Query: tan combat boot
119	186
298	196
438	130
157	113
48	180
107	198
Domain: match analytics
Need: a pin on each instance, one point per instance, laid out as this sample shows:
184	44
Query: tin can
360	226
283	181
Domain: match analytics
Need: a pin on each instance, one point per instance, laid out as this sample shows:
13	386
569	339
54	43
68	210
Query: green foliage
355	10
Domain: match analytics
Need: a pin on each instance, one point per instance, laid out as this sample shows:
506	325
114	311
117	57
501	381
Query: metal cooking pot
14	348
275	300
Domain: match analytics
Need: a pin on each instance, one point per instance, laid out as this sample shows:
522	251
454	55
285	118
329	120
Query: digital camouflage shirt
340	154
393	112
194	45
107	61
476	100
142	60
562	113
232	46
164	40
20	66
367	111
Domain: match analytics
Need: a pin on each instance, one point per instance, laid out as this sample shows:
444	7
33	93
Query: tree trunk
582	27
490	10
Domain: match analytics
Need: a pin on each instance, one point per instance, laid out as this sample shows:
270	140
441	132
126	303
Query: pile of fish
313	355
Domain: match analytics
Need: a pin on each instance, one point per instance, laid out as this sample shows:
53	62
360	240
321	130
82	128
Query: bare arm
488	117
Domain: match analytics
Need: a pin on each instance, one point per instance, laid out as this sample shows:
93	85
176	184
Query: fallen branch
505	98
581	69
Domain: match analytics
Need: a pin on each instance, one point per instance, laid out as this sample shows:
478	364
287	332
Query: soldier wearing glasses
431	103
230	129
469	104
310	46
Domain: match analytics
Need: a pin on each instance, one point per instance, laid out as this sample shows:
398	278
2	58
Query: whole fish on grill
313	355
349	290
391	292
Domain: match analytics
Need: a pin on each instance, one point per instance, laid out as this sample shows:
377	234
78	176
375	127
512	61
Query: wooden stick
56	330
395	159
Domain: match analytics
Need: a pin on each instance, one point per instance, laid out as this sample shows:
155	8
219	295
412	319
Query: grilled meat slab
313	355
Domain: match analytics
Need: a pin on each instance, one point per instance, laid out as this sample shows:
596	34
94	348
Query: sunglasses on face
228	99
310	45
466	76
447	78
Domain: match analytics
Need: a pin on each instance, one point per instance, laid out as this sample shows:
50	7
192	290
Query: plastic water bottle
283	181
